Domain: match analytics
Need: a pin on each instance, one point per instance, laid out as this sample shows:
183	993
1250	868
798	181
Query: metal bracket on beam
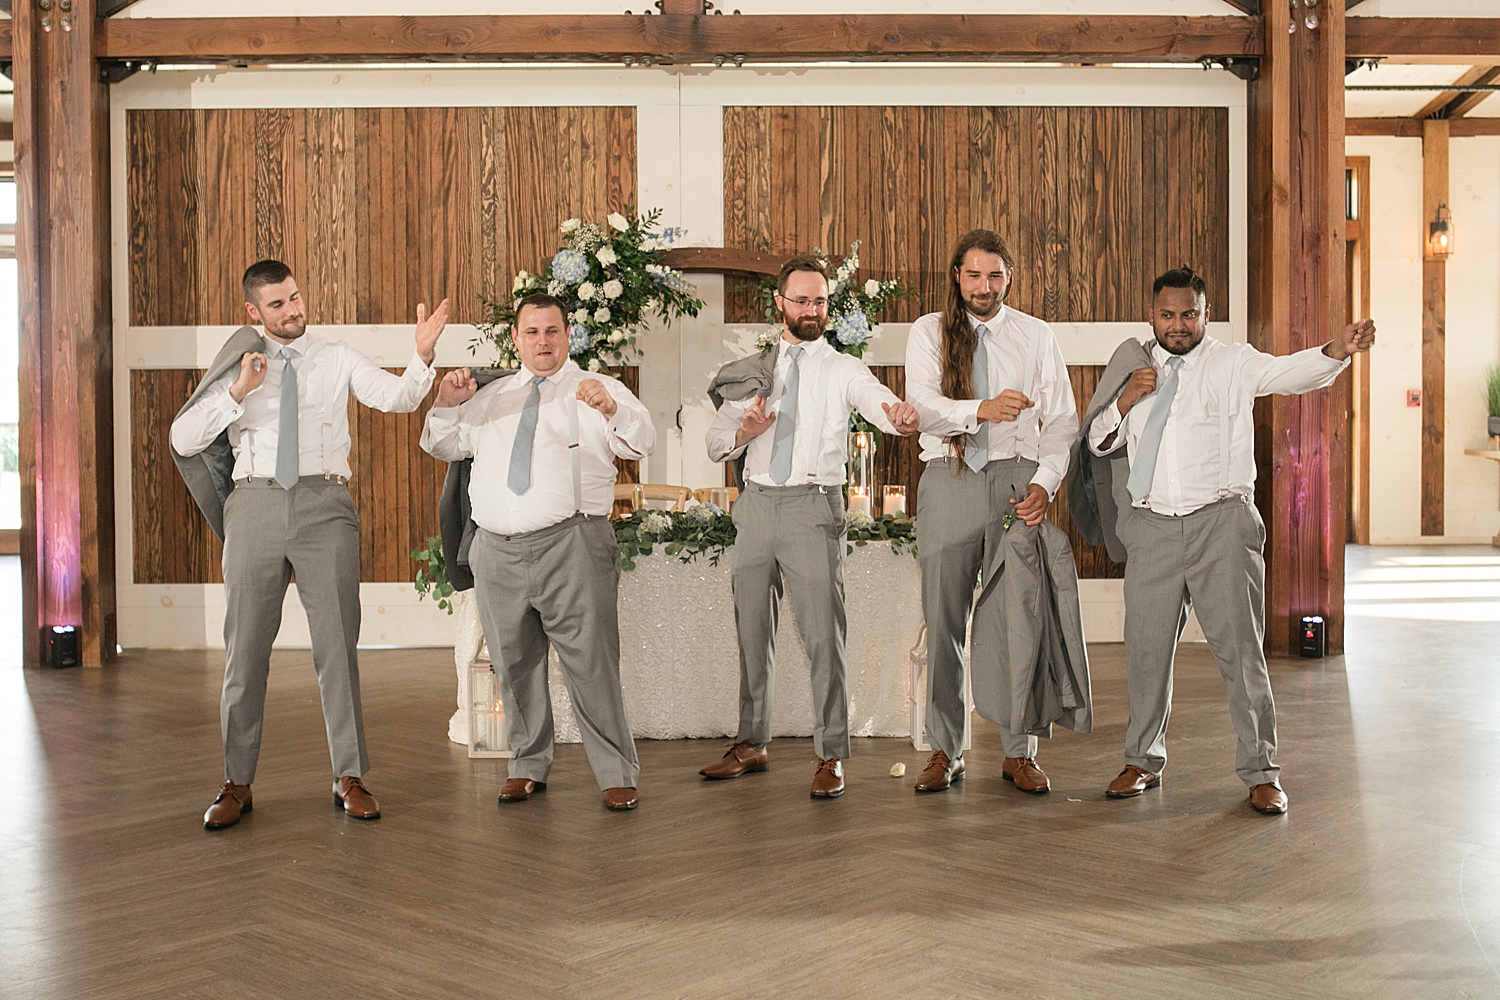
118	70
1369	62
1247	68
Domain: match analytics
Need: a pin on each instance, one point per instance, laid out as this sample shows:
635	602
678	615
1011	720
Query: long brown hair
958	332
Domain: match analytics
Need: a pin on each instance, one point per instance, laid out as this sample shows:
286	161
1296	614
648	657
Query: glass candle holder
719	497
893	500
489	736
860	501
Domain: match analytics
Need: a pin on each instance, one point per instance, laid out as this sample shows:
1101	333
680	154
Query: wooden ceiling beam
1251	7
683	38
1462	104
1466	40
1411	128
1439	106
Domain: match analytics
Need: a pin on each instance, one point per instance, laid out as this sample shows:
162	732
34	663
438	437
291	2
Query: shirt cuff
1049	481
421	366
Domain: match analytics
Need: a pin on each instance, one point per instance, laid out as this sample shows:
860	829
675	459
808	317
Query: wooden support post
1434	326
66	357
1297	301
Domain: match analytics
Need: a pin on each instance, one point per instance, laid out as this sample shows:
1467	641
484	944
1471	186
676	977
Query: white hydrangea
618	222
586	290
613	289
872	288
606	256
656	523
860	520
601	315
569	225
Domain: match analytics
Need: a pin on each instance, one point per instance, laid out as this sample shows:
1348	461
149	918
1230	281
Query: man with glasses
789	519
998	420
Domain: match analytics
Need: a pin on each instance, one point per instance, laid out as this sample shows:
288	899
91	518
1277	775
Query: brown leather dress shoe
828	779
1025	775
1132	782
620	798
742	758
232	802
350	793
1268	799
520	789
939	773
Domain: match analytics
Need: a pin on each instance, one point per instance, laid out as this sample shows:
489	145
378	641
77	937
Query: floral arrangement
852	305
705	530
611	278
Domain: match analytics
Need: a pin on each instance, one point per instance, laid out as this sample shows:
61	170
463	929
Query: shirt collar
298	346
992	324
814	347
555	378
1160	354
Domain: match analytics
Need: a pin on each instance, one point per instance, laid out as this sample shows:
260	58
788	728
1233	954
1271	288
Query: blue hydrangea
578	339
851	328
570	266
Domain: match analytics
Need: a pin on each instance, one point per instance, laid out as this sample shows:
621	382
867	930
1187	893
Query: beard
1180	349
290	329
806	330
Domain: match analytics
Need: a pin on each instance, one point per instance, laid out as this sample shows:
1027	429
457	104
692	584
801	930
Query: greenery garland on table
704	530
611	278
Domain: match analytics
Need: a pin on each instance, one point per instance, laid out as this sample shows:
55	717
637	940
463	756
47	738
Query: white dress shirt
1189	474
326	373
830	386
1043	434
484	429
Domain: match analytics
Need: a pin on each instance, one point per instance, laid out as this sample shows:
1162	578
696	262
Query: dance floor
1382	881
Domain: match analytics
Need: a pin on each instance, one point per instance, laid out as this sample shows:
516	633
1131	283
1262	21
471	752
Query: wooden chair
702	495
679	495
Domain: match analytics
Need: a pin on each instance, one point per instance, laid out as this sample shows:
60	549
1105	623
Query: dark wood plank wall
374	209
1095	201
394	483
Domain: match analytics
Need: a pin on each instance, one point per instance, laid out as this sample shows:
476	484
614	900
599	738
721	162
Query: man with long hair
789	520
998	419
1192	536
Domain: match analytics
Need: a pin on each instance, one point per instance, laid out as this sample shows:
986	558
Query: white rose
520	282
569	225
617	222
594	364
586	290
872	288
613	289
606	256
601	315
580	315
617	336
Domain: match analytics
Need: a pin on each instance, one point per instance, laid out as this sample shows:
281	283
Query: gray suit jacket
1096	483
455	520
752	376
1032	691
210	473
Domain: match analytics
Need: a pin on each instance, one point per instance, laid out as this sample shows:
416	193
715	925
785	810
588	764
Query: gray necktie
786	422
288	455
519	479
1143	467
977	450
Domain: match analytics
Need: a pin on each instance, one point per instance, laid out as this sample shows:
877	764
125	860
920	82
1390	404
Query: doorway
1357	306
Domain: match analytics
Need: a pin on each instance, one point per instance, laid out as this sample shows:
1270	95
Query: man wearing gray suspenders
1187	518
284	407
545	561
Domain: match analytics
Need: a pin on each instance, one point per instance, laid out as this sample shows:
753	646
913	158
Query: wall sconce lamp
1440	235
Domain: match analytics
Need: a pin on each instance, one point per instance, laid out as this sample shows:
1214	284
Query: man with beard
789	520
1192	535
284	406
998	419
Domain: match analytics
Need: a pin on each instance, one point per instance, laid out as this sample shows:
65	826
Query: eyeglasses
801	303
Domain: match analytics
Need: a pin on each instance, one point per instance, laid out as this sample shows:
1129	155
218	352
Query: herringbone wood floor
1383	881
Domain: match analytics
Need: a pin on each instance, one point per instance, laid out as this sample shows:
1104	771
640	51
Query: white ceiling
1404	104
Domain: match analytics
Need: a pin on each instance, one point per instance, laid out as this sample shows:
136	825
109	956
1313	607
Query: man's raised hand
903	417
592	392
456	387
1005	407
252	374
1142	384
429	329
1356	339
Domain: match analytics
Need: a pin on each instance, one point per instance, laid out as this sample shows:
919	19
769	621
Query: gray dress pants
559	584
792	537
959	528
1209	561
269	533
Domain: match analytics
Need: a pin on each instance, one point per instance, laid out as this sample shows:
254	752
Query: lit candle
894	500
859	500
